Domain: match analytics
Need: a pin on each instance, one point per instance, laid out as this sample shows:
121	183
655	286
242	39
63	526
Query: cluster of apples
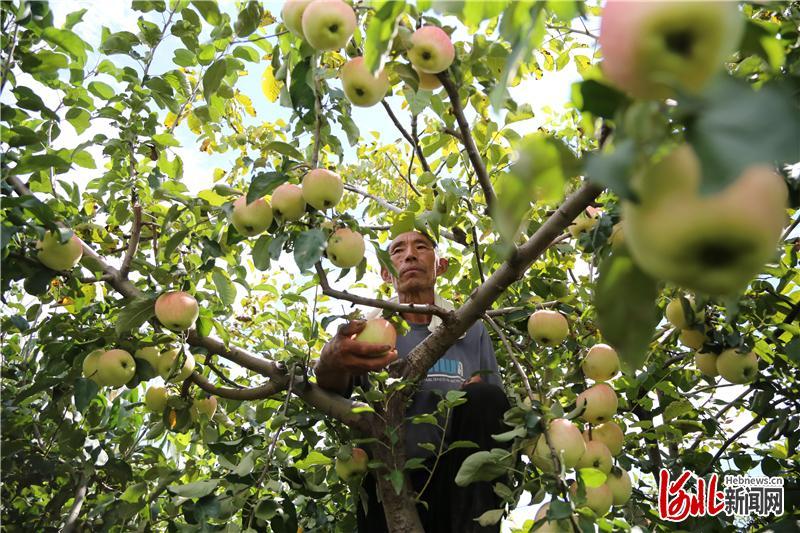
329	24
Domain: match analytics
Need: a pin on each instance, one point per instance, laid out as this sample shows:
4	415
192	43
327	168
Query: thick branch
414	145
75	510
256	393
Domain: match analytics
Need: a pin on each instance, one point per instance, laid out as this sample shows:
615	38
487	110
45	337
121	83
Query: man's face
414	258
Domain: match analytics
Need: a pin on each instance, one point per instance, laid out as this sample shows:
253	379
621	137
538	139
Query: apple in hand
567	443
551	526
361	87
253	218
115	368
90	365
322	189
203	409
599	402
598	499
351	466
57	256
378	331
287	201
597	455
736	367
431	50
706	363
168	365
610	434
177	310
601	363
619	481
292	16
651	48
547	327
345	248
155	399
328	24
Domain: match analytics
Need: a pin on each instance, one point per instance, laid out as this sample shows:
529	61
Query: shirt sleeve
488	361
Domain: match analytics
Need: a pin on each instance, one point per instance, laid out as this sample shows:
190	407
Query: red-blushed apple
57	256
155	399
253	218
597	455
736	367
378	331
115	368
150	354
345	248
598	499
328	24
204	409
322	189
355	465
548	328
168	365
431	50
692	338
428	82
599	402
619	481
610	434
361	87
177	310
601	363
90	365
567	442
706	363
292	16
287	200
651	48
551	526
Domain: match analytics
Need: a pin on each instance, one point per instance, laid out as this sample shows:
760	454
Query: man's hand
343	356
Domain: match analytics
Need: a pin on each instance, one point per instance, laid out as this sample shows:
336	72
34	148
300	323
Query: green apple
328	24
551	526
345	248
599	402
619	481
617	238
692	338
597	455
676	314
292	16
598	499
567	442
361	87
378	331
203	409
548	328
736	367
177	310
155	399
610	434
601	363
651	48
322	189
706	363
354	465
253	218
115	368
90	365
57	256
168	365
431	50
287	200
149	354
428	82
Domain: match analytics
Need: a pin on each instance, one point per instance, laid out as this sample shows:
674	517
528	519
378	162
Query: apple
57	256
677	316
692	338
177	310
619	481
599	402
203	409
378	331
610	434
617	238
168	362
551	526
548	327
345	248
736	367
601	363
431	50
253	218
354	465
90	365
328	24
322	189
361	87
287	200
155	399
567	442
115	368
713	244
292	16
584	222
651	48
597	455
598	499
149	354
706	363
428	82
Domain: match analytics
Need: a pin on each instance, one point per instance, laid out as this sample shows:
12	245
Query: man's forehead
411	237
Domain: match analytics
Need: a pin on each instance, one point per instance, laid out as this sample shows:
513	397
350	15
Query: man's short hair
421	232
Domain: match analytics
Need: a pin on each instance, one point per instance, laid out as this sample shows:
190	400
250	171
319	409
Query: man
469	364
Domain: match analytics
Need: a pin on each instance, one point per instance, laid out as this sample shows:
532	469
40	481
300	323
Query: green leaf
173	242
43	62
166	139
314	458
79	118
597	98
198	489
208	10
213	76
493	516
612	167
308	248
397	478
184	58
462	444
85	391
381	29
264	183
247	53
261	255
34	163
83	159
225	288
677	409
135	313
67	41
248	20
592	476
285	149
119	43
625	299
483	466
102	90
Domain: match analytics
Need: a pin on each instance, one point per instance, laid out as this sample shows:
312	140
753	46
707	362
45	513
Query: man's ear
441	265
385	275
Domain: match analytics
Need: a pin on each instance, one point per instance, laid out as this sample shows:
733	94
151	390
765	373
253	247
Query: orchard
197	196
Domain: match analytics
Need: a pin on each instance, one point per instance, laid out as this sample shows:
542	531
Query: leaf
34	163
490	517
285	149
314	458
677	409
269	85
598	99
625	299
261	255
166	139
612	169
592	476
300	91
508	436
198	489
208	10
174	241
102	90
245	466
85	391
264	183
224	286
381	29
308	248
462	444
248	20
134	314
483	466
397	479
213	76
67	41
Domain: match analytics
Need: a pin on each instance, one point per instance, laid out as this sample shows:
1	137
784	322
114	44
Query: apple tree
194	200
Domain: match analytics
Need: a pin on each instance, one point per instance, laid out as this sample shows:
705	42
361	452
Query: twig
9	59
728	442
241	41
566	29
407	136
719	416
402	177
220	374
517	366
477	253
133	243
317	113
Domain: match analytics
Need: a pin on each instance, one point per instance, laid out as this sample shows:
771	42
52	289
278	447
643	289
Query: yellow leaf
269	85
170	120
193	123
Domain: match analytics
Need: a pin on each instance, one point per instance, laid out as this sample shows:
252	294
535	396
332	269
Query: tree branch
517	366
256	393
77	504
414	145
727	443
133	243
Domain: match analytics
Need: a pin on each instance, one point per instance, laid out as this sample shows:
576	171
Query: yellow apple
115	368
551	526
548	328
253	218
354	465
287	200
677	316
149	354
706	363
619	481
599	402
597	455
361	87
177	310
292	15
428	82
610	434
567	443
345	248
168	365
328	24
57	256
322	189
90	365
155	399
203	409
601	363
692	338
598	499
736	367
378	331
